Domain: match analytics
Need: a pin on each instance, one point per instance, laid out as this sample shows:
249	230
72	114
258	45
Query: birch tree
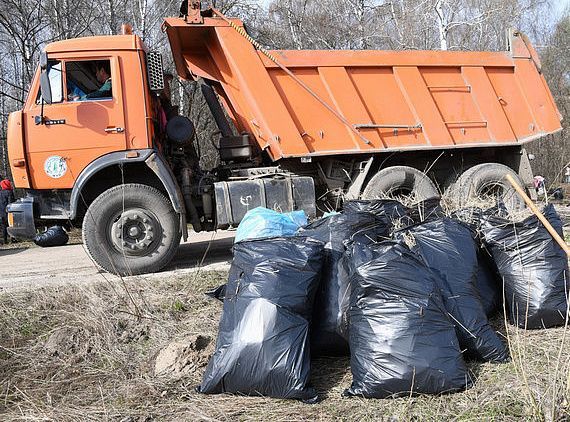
553	152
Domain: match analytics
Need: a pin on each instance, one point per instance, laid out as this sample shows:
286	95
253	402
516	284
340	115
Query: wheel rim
135	232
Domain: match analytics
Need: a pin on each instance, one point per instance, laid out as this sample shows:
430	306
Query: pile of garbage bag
406	292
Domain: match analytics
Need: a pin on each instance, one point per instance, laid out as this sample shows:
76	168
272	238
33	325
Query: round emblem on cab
55	166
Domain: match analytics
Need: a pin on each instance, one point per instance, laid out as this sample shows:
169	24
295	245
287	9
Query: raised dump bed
312	103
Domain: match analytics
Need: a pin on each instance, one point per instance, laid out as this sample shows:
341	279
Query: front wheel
131	229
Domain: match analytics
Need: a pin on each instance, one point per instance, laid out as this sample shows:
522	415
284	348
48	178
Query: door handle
114	129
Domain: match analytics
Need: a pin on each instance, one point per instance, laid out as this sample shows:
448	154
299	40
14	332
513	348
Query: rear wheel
485	184
131	229
400	182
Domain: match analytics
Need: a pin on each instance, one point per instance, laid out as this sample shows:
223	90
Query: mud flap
21	219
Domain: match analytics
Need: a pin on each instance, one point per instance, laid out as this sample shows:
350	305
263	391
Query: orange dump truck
99	144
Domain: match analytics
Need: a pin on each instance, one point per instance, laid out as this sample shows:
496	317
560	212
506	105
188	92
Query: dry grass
87	353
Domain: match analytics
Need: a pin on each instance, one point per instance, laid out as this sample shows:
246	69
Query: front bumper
21	219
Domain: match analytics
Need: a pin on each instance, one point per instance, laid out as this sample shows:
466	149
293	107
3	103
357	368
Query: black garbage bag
390	208
533	266
426	210
448	248
263	340
488	282
401	339
397	213
54	236
556	193
217	293
329	326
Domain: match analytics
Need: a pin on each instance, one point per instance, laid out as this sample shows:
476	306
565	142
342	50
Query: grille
155	73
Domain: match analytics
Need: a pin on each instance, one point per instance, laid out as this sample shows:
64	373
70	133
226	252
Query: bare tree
24	27
69	19
553	152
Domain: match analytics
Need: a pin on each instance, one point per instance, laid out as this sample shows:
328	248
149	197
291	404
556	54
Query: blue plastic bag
262	222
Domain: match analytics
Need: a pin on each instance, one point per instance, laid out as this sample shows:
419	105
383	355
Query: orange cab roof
105	42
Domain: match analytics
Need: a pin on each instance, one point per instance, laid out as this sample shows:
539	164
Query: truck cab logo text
245	200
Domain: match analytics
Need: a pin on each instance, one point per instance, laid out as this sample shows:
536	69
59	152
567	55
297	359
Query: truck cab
68	150
51	144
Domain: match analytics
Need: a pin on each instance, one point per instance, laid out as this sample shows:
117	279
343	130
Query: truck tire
483	182
400	181
131	229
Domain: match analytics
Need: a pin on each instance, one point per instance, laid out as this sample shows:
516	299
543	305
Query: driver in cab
103	76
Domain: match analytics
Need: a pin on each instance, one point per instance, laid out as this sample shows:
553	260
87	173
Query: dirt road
36	267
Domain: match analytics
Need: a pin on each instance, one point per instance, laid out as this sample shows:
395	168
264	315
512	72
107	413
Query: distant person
6	197
103	75
540	185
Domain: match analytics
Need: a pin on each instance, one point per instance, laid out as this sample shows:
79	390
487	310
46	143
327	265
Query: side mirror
43	60
45	86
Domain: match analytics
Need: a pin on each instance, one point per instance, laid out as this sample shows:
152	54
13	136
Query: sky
560	5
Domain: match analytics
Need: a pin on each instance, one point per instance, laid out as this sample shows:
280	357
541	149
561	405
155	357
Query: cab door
75	129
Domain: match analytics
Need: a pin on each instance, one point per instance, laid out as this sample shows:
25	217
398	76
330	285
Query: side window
88	80
56	82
